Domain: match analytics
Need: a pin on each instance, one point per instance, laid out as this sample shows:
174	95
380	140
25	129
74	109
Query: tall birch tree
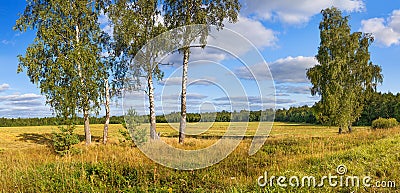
136	22
178	13
64	58
345	75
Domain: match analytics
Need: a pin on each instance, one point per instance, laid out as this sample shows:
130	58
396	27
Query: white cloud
394	21
254	31
189	96
293	89
23	97
175	81
105	24
223	43
103	19
251	100
7	42
25	112
172	81
196	54
109	29
298	11
26	103
285	70
386	31
4	87
281	95
292	69
23	105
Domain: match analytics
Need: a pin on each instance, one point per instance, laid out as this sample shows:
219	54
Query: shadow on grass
46	139
42	139
94	138
216	136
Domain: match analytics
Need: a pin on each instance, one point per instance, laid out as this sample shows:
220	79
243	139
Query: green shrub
383	123
133	130
63	141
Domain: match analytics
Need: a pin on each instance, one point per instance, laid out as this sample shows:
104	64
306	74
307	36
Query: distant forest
386	105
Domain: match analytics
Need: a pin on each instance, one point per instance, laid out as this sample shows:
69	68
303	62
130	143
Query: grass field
28	164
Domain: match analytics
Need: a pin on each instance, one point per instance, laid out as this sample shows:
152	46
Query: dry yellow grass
27	161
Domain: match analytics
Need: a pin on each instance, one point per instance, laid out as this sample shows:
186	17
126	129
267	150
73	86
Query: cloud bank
385	30
296	12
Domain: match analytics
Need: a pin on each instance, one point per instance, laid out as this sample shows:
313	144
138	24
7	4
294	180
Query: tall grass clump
383	123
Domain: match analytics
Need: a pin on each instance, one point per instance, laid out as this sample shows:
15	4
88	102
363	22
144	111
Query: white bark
153	133
107	106
88	135
182	124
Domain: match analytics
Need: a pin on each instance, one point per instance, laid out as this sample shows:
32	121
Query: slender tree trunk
182	124
153	133
88	135
340	130
105	132
350	128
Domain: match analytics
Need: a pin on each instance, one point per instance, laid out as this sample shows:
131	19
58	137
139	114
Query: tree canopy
345	76
64	58
136	23
179	13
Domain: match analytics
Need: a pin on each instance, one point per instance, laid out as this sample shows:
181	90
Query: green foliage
64	59
302	114
102	174
179	13
345	76
80	177
385	105
133	122
64	140
135	25
383	123
140	135
127	139
210	12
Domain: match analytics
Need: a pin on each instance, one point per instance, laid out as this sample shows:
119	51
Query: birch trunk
88	136
153	133
350	128
107	107
182	124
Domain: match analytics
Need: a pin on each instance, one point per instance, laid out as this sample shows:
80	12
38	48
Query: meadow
29	164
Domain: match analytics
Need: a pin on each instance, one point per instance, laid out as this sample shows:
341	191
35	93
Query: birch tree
136	22
178	13
345	74
64	58
110	61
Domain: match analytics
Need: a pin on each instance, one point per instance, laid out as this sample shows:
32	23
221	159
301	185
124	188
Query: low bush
383	123
64	140
132	125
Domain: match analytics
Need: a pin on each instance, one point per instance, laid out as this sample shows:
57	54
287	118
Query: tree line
52	121
379	105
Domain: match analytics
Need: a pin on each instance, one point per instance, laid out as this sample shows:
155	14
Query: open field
28	164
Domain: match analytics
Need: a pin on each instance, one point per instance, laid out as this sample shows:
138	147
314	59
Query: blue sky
284	31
